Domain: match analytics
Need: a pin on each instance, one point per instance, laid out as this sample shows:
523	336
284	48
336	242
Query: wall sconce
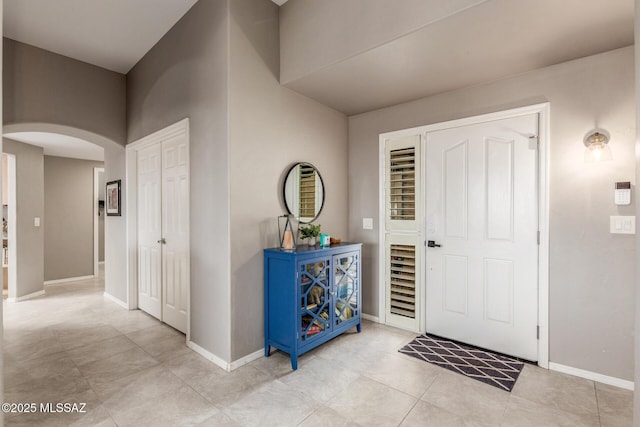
597	149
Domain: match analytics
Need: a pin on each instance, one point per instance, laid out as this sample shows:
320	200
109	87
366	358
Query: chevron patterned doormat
482	365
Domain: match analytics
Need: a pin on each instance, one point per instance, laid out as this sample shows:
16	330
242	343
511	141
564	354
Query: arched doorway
114	159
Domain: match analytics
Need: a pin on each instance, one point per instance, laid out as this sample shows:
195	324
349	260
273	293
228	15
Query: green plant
310	231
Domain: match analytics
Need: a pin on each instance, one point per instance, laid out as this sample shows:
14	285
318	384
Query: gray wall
29	205
185	75
52	93
115	244
270	127
340	29
591	271
44	87
68	224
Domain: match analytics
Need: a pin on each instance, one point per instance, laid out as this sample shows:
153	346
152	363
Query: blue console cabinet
311	295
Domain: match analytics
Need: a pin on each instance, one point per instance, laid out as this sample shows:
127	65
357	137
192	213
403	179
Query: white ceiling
483	43
279	2
60	145
113	34
492	40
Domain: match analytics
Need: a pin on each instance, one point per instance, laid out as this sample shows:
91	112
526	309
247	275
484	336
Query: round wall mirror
303	192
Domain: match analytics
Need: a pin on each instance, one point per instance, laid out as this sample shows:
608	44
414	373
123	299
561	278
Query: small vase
311	241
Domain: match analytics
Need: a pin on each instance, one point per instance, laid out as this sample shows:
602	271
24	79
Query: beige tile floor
72	345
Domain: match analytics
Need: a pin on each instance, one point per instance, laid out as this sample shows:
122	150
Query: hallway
73	345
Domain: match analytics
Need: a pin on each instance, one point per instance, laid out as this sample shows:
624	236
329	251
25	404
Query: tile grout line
506	407
214	404
408	412
366	375
307	417
90	388
595	392
111	414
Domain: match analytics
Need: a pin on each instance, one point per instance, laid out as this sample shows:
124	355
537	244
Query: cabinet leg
267	350
294	362
359	327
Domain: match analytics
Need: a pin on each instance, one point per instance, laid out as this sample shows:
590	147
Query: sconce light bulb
597	152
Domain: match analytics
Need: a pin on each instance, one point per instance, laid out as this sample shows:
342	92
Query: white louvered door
481	187
403	251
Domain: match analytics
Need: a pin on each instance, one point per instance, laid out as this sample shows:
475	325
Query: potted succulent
310	233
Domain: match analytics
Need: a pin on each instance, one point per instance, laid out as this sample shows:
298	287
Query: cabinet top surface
304	249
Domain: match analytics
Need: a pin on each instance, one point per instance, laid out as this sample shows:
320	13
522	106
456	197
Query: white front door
149	230
481	207
175	229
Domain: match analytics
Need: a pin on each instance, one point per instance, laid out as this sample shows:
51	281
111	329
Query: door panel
481	187
315	298
455	284
498	290
149	231
455	193
175	228
499	189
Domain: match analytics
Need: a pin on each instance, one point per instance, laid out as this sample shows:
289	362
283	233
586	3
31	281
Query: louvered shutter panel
307	191
402	280
403	273
402	184
403	217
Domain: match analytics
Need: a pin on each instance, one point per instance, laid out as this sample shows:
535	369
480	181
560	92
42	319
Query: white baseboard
26	297
617	382
246	359
69	279
370	318
116	300
209	356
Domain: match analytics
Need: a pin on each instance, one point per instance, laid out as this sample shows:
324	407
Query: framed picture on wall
113	198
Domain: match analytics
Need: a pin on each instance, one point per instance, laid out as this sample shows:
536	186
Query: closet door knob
162	241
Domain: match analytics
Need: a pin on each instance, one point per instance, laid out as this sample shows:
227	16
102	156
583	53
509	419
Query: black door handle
433	244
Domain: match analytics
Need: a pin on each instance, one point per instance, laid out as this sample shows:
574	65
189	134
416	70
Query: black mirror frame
284	186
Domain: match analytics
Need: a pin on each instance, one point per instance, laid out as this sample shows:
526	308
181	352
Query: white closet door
175	230
482	209
149	230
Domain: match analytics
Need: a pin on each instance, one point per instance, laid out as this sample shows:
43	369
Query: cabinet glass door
346	287
315	299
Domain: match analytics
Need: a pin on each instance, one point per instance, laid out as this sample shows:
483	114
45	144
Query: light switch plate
622	224
367	223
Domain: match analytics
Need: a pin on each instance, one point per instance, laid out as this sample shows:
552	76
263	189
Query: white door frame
96	220
12	225
543	210
131	185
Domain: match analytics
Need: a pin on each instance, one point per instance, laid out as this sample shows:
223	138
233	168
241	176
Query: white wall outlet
367	223
622	224
36	221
